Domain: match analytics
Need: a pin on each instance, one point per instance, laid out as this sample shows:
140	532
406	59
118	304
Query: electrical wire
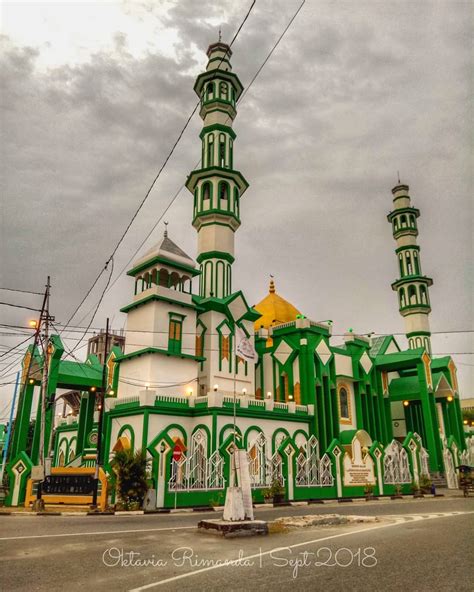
134	216
173	199
98	304
22	291
20	306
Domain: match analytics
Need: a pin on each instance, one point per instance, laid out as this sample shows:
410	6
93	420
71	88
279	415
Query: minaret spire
412	286
217	186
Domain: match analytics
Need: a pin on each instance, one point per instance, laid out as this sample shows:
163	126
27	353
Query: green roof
402	358
404	387
79	374
222	305
380	345
438	363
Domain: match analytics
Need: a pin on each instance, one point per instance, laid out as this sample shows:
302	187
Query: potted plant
217	501
425	483
131	478
398	492
267	495
369	491
277	492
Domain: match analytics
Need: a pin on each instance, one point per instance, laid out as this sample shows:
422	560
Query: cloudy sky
93	95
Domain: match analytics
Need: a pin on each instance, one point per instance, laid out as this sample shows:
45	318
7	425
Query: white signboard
358	468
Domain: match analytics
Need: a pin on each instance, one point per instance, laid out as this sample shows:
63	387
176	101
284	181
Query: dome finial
165	234
271	289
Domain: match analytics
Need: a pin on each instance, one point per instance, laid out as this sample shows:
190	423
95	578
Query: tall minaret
412	287
217	186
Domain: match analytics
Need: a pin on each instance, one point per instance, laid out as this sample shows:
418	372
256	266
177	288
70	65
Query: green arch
224	428
208	434
125	427
275	433
248	430
66	451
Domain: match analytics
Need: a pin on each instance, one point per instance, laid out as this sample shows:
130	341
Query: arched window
400	260
236	202
210	91
229	281
198	459
412	220
412	296
232	95
231	153
403	221
206	195
163	278
395	224
207	279
402	298
257	461
223	195
210	150
284	390
423	295
223	91
417	263
344	410
408	264
137	284
195	200
147	280
219	287
185	287
222	159
61	459
174	280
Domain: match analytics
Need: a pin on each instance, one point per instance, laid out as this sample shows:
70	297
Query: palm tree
131	470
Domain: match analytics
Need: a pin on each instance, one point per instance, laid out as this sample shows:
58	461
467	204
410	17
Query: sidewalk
63	510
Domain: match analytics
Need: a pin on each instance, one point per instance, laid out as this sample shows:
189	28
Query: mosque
323	419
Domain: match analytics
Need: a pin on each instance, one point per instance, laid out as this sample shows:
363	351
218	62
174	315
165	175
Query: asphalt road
417	545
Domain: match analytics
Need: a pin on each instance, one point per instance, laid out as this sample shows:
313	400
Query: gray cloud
355	92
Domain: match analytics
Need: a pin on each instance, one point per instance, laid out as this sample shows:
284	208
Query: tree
131	470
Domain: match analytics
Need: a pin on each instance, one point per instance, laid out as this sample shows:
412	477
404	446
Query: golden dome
274	309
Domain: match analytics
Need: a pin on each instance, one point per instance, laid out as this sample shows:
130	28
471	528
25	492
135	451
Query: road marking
72	534
399	520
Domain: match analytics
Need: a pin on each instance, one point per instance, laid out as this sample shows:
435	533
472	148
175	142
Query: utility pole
44	324
100	428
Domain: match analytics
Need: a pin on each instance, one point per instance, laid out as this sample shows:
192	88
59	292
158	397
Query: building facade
324	419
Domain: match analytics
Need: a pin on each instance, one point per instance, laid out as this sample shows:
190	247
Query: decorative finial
166	230
220	35
272	285
398	176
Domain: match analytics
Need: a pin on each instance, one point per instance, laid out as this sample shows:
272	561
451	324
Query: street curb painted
219	508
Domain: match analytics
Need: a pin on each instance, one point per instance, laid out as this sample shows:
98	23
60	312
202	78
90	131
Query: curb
220	508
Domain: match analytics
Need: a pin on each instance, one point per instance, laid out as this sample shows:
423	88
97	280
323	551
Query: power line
20	306
98	304
173	199
180	135
22	291
16	346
